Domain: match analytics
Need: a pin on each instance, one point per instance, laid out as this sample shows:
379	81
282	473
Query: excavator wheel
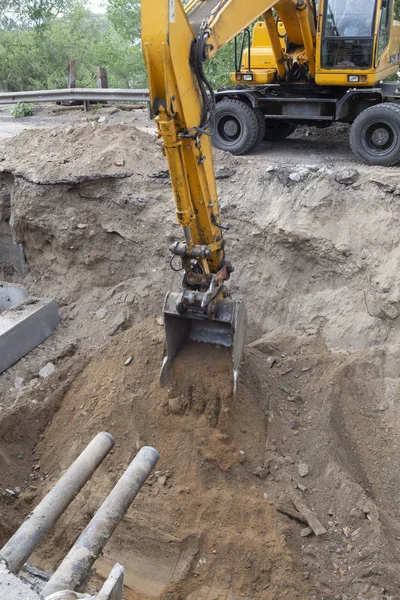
238	127
375	135
261	127
277	130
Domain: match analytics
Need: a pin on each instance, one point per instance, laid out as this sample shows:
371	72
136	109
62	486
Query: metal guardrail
85	95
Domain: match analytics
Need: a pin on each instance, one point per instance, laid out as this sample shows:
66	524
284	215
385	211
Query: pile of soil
202	525
80	152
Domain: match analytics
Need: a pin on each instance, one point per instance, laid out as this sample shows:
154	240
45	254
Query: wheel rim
229	129
379	137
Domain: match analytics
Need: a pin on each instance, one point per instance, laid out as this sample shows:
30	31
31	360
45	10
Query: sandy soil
314	241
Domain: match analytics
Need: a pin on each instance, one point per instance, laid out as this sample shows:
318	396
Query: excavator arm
176	41
225	19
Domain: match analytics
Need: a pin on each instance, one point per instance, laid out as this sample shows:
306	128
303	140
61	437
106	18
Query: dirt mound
81	152
201	525
205	525
89	151
201	380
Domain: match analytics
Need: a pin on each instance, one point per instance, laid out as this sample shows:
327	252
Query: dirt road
9	126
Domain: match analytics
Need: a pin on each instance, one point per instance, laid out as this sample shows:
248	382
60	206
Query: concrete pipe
21	545
75	568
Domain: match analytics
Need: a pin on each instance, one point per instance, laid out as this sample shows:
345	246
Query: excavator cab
359	43
348	34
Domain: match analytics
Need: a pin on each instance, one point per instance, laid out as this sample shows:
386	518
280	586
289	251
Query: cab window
347	37
384	26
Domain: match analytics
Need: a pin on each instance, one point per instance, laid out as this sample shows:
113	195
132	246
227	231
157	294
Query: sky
97	6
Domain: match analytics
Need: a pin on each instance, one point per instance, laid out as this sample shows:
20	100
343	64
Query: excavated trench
316	420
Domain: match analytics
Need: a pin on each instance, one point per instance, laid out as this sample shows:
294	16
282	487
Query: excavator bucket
227	328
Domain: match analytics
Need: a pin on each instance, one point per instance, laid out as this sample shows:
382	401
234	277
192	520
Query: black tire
238	127
277	130
375	135
261	127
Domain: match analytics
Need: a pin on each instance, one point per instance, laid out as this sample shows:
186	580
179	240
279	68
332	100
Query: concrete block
25	326
12	255
12	588
113	587
11	294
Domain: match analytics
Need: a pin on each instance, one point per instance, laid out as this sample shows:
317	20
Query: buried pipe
75	567
21	545
113	588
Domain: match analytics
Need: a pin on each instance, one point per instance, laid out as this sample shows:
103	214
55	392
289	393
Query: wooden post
102	78
72	73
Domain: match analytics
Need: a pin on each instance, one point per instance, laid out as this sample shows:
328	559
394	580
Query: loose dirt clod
303	470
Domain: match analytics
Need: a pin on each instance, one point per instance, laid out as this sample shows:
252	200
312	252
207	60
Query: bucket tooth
227	328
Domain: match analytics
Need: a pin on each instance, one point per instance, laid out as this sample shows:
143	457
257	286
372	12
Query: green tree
32	60
218	69
125	16
31	13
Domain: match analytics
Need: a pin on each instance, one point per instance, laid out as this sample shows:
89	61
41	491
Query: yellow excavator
315	65
307	63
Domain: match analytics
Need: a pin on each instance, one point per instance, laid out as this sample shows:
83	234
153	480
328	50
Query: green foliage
22	109
125	16
31	13
31	59
39	12
39	37
218	70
